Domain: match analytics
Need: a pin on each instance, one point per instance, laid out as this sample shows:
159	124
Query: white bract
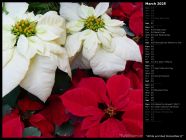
96	41
32	50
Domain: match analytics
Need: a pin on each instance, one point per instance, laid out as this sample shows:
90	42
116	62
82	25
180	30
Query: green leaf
43	7
65	129
11	98
62	82
6	109
31	131
128	31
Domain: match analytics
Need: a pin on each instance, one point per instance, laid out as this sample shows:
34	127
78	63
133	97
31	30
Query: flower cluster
72	72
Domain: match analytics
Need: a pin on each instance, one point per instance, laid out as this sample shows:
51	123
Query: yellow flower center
94	23
24	27
111	111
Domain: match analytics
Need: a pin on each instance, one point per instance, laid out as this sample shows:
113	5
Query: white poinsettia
96	41
32	50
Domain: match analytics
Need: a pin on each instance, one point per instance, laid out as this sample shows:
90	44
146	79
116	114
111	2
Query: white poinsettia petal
105	17
127	49
8	22
101	8
105	38
48	33
106	64
40	77
86	11
31	17
9	40
14	72
114	22
116	31
52	27
73	44
62	39
22	45
52	49
90	46
75	26
69	10
63	62
80	62
36	44
52	18
16	8
7	55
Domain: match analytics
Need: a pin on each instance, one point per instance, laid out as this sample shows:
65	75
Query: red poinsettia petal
116	12
136	83
55	111
26	104
78	132
141	50
48	136
39	121
13	114
93	120
112	128
136	66
122	102
134	127
127	7
12	127
136	95
93	132
139	4
78	76
133	111
136	23
97	86
77	100
117	86
133	118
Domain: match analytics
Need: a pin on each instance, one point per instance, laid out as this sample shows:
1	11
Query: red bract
124	10
79	74
39	121
109	110
118	13
128	8
55	111
26	104
132	13
12	127
136	83
135	74
78	132
141	49
136	23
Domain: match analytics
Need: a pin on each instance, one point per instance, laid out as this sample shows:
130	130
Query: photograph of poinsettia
72	69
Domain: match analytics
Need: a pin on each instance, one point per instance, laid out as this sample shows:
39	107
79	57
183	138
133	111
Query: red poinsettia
37	114
136	23
134	72
130	12
54	111
78	75
52	114
12	127
109	110
26	104
78	132
39	121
